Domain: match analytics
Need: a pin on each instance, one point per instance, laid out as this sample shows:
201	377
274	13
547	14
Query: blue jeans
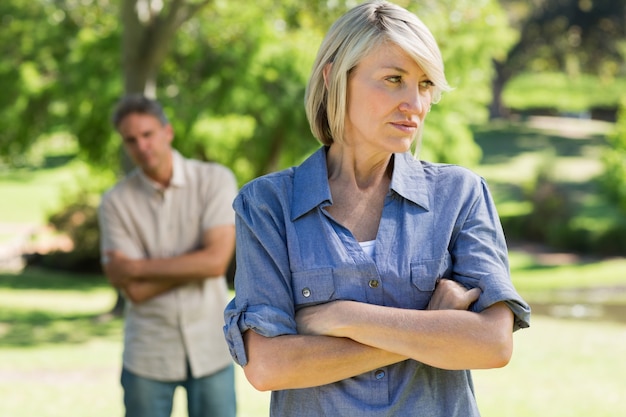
210	396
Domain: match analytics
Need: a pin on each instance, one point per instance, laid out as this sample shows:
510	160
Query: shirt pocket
314	286
424	276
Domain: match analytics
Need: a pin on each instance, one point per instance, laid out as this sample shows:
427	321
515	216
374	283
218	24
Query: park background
538	110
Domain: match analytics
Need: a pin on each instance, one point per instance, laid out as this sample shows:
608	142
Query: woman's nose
413	102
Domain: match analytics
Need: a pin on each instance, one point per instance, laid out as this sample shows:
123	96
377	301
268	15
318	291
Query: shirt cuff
265	320
495	290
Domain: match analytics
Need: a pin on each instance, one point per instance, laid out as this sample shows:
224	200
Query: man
167	237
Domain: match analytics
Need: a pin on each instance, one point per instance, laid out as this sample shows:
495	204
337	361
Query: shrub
613	179
77	220
551	207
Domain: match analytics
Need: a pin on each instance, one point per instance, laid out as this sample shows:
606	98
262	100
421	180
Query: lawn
560	92
58	359
28	194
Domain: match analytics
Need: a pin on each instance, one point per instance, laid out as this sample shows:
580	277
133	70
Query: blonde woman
368	282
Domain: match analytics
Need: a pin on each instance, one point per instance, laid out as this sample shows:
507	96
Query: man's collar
178	174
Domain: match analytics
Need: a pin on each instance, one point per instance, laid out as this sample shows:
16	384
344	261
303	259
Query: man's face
147	142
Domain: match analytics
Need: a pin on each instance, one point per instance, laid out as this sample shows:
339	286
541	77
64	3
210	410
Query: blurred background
538	109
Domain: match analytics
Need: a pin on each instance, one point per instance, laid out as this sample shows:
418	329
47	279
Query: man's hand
119	269
450	295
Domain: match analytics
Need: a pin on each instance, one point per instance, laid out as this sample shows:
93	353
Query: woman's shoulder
269	192
450	172
272	182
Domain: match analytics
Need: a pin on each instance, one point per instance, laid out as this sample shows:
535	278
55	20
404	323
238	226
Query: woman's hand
325	319
319	320
450	295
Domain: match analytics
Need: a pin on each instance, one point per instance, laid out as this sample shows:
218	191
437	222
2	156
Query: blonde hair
353	36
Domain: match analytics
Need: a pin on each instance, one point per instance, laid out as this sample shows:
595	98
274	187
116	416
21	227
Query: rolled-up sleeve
481	258
264	320
263	297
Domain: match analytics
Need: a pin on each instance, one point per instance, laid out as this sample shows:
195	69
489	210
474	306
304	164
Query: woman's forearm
448	339
301	361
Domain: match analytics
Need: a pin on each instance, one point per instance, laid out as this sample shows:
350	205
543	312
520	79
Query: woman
368	283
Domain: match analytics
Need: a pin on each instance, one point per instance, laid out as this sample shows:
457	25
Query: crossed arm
342	339
143	279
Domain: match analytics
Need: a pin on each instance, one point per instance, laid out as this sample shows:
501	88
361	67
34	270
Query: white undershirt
368	247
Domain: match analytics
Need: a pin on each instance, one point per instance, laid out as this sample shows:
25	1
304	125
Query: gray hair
137	103
353	36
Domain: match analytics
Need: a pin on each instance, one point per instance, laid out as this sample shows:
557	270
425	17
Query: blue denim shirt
438	221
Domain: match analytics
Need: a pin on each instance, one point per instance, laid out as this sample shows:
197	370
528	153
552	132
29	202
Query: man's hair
348	41
137	103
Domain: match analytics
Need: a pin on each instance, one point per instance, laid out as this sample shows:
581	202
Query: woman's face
388	98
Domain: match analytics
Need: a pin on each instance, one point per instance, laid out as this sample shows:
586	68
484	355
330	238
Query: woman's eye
395	79
426	84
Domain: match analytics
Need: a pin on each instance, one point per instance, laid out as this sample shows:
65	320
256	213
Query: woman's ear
326	73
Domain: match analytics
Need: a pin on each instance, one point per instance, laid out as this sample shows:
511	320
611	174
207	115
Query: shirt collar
310	184
311	187
178	174
409	179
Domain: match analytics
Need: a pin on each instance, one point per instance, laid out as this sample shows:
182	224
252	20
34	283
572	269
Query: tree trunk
148	31
497	109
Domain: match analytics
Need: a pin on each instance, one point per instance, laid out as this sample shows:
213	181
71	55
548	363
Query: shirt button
373	283
380	374
306	293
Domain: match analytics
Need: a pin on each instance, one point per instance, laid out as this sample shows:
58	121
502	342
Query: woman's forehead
389	55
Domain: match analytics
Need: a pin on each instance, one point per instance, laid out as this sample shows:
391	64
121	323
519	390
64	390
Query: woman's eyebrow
396	68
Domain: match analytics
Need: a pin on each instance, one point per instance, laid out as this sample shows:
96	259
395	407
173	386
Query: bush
555	220
613	179
77	220
551	207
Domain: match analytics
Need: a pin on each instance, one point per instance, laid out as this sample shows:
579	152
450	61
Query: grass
29	194
565	150
515	150
564	93
59	359
560	368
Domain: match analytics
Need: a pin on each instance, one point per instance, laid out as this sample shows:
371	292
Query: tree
49	84
471	34
232	78
149	28
571	36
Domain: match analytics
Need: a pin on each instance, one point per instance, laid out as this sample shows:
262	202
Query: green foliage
66	53
562	93
29	194
247	73
613	179
570	36
543	182
550	204
79	221
240	71
471	34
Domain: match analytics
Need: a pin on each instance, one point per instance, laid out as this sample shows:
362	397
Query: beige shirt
142	220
